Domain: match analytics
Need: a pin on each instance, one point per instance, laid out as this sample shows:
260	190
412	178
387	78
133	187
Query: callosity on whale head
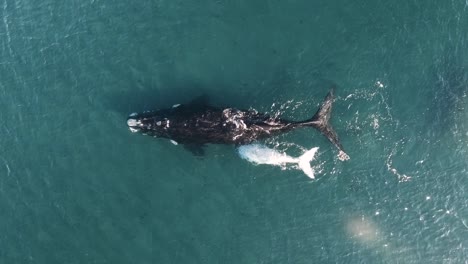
145	122
134	123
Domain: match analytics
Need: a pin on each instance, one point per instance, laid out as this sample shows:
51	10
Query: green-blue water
77	187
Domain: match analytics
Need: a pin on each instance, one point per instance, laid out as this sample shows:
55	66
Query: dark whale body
197	124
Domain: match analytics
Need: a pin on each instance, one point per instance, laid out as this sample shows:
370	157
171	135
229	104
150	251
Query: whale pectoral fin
195	149
200	101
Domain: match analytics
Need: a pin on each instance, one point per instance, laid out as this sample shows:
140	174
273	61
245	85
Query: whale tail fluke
304	162
321	121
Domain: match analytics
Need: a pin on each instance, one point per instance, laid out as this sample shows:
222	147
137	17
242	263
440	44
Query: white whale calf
261	154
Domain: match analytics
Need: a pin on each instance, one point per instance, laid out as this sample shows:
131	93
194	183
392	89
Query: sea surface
76	186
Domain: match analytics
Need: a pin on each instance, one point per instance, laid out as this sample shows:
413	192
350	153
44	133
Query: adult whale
196	124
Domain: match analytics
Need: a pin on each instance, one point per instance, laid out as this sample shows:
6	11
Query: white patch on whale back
176	105
158	123
235	117
379	84
174	142
260	154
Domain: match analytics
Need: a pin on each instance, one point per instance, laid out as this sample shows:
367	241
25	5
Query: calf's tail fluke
304	162
321	121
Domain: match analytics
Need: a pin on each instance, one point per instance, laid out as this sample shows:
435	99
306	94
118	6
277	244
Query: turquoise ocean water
77	187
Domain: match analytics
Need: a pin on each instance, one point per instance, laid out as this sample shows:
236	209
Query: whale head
134	124
146	122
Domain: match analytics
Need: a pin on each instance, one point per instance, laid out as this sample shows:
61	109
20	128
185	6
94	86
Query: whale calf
196	124
261	154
